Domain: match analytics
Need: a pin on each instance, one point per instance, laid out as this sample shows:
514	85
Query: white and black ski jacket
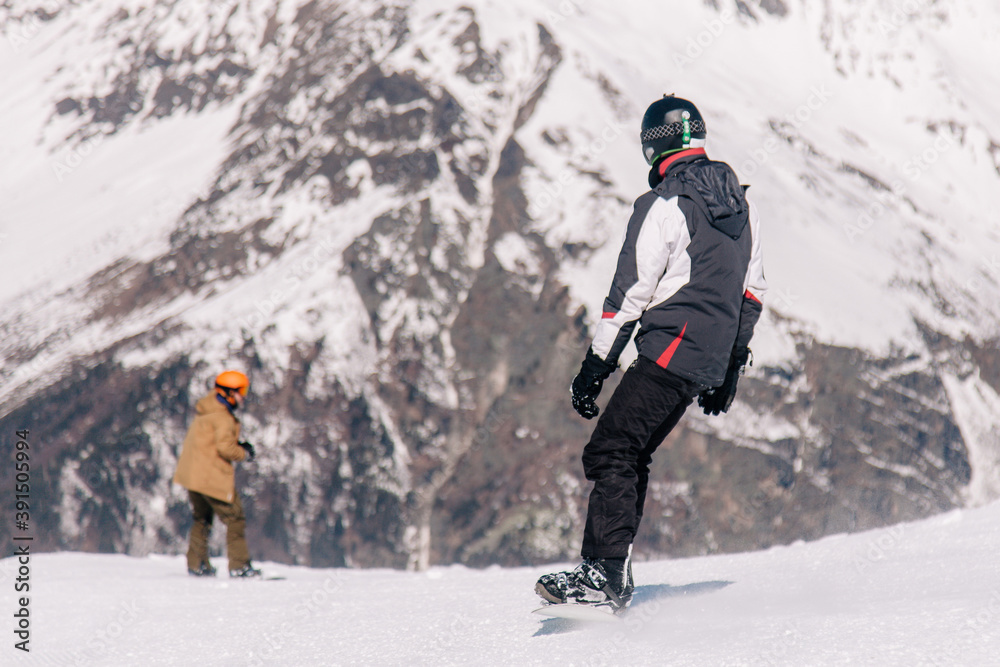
690	272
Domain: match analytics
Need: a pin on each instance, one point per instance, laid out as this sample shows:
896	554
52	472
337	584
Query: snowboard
578	612
225	578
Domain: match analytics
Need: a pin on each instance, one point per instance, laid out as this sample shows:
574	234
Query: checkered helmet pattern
673	129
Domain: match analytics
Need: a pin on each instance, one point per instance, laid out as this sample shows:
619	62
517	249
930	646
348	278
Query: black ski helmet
670	124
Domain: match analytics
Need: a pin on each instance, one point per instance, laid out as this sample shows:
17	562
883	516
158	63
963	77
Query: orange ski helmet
232	381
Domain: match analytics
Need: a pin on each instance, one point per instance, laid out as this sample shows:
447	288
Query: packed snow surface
925	593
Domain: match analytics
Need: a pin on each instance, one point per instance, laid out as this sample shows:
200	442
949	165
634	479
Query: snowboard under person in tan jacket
205	469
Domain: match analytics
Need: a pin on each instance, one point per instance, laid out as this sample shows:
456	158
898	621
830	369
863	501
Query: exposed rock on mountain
400	219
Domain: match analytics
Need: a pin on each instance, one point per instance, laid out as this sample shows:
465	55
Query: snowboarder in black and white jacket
691	274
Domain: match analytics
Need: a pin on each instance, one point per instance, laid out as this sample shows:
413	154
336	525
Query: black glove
587	384
248	448
718	399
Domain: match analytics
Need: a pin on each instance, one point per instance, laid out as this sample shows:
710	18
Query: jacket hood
209	403
714	187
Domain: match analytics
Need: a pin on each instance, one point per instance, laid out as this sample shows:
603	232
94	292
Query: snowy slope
925	593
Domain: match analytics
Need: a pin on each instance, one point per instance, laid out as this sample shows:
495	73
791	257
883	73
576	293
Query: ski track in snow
922	593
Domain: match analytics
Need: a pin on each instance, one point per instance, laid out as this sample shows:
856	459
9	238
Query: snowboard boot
204	570
604	582
248	571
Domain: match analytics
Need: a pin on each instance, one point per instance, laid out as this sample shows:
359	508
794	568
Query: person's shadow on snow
645	598
646	594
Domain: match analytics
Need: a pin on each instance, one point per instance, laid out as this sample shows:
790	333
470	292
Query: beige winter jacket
206	461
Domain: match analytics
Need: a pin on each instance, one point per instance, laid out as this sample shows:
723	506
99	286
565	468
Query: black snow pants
645	407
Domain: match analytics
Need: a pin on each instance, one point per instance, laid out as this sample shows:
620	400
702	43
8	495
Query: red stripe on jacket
677	156
668	353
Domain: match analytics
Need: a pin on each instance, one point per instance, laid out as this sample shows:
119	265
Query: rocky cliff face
411	202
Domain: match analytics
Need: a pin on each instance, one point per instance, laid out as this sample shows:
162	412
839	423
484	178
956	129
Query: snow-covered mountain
923	594
401	218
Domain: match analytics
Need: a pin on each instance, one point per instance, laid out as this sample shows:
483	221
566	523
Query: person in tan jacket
205	469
